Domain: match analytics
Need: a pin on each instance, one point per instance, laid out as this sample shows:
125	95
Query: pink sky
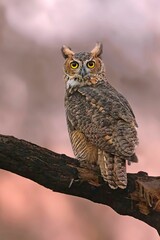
31	105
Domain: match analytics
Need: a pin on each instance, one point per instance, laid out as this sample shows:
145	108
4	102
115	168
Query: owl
101	123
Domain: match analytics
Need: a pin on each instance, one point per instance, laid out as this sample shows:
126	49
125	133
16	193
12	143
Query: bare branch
141	198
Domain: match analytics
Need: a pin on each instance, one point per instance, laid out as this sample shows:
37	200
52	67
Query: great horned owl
101	123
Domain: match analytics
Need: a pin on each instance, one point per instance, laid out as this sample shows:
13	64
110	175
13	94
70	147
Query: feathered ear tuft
66	51
97	50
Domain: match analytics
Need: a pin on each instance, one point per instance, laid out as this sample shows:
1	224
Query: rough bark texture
58	172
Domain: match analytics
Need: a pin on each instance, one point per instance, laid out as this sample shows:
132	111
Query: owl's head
83	68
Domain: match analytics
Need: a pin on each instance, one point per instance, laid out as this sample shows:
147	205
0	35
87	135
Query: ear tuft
66	51
97	50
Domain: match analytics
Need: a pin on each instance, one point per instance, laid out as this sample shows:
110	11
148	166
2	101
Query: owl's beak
83	72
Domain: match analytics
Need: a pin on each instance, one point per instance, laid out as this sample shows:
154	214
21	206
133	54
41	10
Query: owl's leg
83	149
120	172
106	164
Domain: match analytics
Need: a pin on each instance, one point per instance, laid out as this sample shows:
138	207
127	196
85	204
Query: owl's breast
88	114
76	106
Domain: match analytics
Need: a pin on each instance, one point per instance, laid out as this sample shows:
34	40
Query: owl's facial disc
81	72
82	68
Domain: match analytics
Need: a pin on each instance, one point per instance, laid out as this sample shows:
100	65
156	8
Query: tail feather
113	170
106	164
120	172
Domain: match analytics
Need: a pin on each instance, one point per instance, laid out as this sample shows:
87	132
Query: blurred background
31	105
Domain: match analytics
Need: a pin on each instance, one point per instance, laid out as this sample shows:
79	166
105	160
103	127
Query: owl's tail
113	170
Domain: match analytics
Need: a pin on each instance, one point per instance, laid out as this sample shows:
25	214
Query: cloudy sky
31	104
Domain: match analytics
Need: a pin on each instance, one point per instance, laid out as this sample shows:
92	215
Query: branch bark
58	172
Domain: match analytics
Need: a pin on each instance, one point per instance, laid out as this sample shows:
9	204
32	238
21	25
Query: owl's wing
118	102
122	100
119	121
103	118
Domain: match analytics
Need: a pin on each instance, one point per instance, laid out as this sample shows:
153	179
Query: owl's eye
91	64
74	64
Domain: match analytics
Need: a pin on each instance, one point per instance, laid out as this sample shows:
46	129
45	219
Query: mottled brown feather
83	149
101	123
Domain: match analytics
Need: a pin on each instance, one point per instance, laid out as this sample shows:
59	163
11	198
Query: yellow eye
74	64
91	64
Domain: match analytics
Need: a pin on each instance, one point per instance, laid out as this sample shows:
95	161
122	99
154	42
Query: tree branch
141	198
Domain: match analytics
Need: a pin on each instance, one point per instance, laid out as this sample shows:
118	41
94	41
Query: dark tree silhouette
58	172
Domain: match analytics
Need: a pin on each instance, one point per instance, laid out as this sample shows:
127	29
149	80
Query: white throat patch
71	83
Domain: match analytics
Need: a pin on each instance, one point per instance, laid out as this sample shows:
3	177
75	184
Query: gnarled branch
58	172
